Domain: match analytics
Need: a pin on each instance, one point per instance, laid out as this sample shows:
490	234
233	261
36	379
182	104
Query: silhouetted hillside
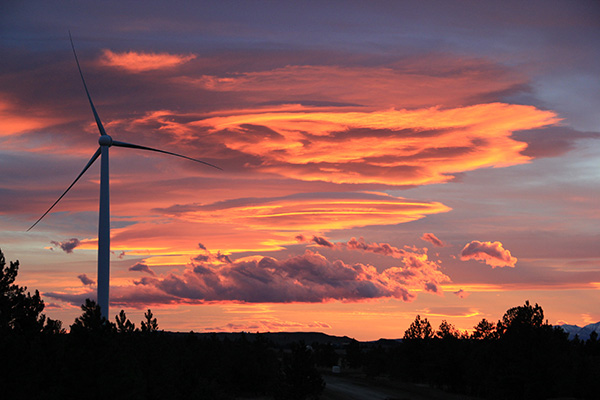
278	339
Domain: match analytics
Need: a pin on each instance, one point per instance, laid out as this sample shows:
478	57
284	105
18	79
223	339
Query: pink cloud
267	325
431	238
378	248
308	278
133	61
86	280
492	253
419	266
359	244
418	81
19	118
141	267
68	245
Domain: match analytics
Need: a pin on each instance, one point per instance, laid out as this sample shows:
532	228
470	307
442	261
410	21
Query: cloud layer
384	146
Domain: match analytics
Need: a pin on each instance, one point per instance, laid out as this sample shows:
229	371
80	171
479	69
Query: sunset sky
380	160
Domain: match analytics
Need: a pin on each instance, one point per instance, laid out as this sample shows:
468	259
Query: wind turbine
105	142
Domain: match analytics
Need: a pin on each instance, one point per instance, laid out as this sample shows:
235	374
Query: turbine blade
89	164
135	146
96	117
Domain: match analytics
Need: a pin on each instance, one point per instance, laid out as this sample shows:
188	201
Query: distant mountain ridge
583	333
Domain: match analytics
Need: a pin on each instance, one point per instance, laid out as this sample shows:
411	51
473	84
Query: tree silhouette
354	354
484	330
124	325
522	319
91	321
301	377
447	331
419	329
20	312
150	325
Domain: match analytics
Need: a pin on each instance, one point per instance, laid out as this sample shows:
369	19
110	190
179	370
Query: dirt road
345	388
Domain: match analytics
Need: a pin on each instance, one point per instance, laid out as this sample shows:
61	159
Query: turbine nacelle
105	140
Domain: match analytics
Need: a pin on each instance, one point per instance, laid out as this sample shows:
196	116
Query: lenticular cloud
491	253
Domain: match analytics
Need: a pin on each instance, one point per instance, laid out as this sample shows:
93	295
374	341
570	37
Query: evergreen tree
419	329
301	379
20	312
484	330
150	325
522	319
124	325
91	321
447	331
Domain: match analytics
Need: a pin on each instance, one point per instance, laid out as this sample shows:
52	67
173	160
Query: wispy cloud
461	294
450	81
268	325
133	61
17	119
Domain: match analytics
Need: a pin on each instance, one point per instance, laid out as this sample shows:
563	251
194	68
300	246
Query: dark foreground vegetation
99	359
519	357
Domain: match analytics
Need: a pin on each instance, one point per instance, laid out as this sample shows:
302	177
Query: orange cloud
16	119
133	61
309	212
491	253
394	147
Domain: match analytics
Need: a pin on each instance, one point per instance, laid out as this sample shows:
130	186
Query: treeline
519	357
100	359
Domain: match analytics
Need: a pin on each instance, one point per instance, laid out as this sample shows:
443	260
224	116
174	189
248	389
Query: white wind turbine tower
105	142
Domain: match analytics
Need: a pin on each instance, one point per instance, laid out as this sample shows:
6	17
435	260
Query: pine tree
150	325
20	312
124	325
419	329
91	321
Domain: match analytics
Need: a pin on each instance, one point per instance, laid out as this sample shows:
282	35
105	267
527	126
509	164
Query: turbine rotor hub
105	140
